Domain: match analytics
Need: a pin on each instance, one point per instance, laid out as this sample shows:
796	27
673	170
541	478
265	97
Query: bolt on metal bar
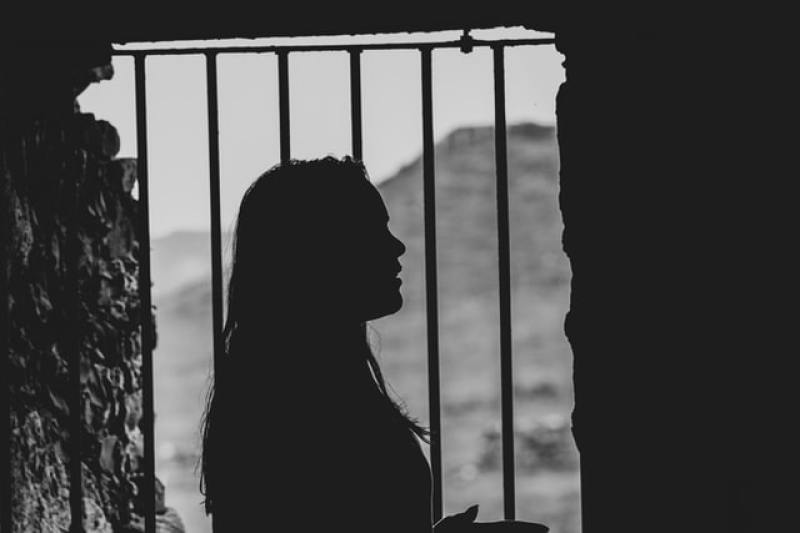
216	224
5	351
355	104
145	298
283	104
431	289
335	47
504	267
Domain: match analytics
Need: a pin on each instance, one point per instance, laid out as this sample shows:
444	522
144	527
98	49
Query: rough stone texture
73	281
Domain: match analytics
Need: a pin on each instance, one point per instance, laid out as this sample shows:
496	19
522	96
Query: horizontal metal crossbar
333	47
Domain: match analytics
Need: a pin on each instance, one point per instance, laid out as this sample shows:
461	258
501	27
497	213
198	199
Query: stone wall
72	270
70	257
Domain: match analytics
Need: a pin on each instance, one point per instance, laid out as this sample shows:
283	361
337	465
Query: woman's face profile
370	260
319	243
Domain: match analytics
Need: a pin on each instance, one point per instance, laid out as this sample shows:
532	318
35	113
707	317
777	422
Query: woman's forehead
323	200
377	203
359	203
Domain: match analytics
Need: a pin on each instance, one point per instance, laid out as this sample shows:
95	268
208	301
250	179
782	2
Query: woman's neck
325	352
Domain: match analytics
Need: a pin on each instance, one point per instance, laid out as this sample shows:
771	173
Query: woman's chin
388	306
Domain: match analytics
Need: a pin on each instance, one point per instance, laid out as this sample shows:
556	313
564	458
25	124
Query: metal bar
503	243
6	488
331	47
148	413
214	189
431	289
356	142
216	224
283	104
355	104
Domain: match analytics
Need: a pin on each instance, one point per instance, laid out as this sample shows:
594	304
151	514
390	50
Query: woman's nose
401	248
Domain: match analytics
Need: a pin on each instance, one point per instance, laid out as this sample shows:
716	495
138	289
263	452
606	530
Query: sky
319	109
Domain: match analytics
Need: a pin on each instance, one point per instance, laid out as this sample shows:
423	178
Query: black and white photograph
410	268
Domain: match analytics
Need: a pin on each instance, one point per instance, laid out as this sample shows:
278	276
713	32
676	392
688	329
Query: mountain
466	211
468	316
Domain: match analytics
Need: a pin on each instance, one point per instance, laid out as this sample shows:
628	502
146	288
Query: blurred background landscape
546	459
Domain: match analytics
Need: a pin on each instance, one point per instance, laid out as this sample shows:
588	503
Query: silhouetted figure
300	433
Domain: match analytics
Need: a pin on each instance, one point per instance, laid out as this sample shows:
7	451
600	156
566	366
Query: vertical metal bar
503	242
145	297
431	289
216	224
355	103
283	103
355	112
5	406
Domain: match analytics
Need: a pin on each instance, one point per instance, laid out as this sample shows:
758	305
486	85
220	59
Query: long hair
299	191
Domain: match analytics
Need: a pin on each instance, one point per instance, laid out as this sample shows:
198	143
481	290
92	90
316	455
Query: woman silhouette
299	432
